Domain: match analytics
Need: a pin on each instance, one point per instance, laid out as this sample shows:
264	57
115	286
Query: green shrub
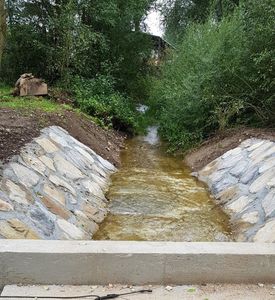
98	98
221	75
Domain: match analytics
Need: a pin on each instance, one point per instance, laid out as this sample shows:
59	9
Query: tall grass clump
221	74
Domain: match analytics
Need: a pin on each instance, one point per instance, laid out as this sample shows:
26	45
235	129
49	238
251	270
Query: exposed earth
222	142
19	127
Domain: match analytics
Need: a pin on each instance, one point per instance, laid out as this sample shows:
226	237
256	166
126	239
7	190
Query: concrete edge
138	263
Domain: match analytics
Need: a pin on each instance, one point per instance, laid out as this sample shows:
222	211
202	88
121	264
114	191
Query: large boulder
28	85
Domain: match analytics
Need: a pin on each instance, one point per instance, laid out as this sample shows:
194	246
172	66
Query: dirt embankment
222	142
19	127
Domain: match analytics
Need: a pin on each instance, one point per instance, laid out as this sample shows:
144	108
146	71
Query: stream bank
54	189
243	183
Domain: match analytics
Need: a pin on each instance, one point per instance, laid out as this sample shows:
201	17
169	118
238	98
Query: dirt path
19	127
222	142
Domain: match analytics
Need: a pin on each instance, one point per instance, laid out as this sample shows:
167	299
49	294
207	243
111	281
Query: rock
260	284
247	143
48	162
102	182
231	161
249	175
42	221
62	183
238	205
269	203
70	230
264	155
57	139
232	152
259	150
227	194
15	229
47	145
262	181
58	130
54	194
271	183
252	217
66	168
34	163
252	165
209	169
217	176
268	164
56	209
88	225
79	161
28	85
54	188
93	188
26	177
95	214
107	165
85	154
266	234
225	183
5	206
255	145
99	171
239	169
17	194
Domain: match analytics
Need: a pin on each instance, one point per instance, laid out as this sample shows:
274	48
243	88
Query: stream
153	197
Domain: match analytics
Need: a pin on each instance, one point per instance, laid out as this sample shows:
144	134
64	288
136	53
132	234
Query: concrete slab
101	262
186	292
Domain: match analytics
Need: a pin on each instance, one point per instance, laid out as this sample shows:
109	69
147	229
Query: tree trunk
219	10
2	28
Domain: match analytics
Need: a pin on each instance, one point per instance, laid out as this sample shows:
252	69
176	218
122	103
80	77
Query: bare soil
222	142
19	127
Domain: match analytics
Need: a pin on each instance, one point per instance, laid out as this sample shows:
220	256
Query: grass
28	103
32	104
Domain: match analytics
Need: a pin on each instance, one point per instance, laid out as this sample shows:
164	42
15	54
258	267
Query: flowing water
153	197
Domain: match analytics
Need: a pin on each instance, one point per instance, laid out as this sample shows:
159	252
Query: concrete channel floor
185	292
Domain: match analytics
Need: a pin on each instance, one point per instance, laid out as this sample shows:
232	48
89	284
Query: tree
178	14
2	28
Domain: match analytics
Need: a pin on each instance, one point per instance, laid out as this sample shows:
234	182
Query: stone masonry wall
54	189
243	182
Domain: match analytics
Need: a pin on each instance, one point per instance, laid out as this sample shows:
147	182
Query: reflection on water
154	197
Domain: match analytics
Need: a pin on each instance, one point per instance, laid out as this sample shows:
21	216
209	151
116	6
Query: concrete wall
82	262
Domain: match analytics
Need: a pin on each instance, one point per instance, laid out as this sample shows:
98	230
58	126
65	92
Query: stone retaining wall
243	182
54	189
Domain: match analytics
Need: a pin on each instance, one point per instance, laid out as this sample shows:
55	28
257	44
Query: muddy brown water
153	197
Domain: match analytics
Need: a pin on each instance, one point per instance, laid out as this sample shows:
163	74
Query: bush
98	98
221	75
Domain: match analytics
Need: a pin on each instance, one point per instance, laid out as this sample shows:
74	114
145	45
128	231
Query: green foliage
222	74
2	28
99	43
179	14
98	98
26	103
58	39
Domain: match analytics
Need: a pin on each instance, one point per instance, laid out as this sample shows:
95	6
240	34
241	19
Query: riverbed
154	197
